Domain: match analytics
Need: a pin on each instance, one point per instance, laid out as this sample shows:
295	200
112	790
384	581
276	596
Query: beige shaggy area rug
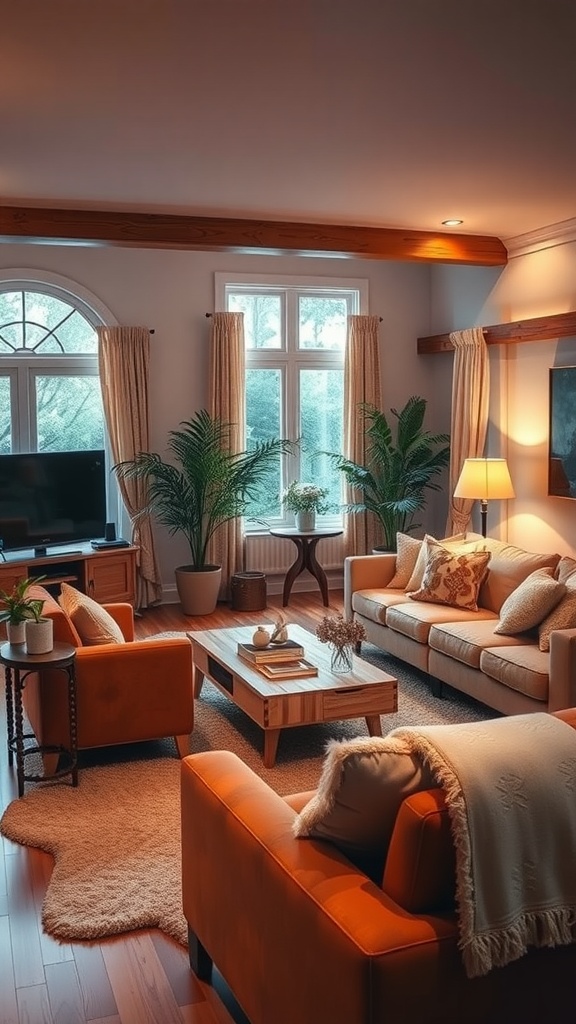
116	837
116	844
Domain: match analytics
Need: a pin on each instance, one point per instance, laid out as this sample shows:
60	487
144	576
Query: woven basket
248	591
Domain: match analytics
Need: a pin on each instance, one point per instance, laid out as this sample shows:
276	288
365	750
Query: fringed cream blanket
510	786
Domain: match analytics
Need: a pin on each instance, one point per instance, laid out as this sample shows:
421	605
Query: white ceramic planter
39	636
305	521
16	632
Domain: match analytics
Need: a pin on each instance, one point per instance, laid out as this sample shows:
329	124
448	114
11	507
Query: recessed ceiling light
452	223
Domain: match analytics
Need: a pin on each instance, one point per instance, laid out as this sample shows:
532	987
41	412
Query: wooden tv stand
108	575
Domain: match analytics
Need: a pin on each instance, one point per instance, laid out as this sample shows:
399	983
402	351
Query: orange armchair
126	693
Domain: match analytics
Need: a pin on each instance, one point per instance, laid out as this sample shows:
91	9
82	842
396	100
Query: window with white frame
295	336
50	397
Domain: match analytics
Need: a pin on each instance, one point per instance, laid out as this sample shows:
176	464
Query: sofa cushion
566	571
508	568
407	551
530	602
523	668
451	578
373	604
563	616
362	785
415	619
94	624
465	641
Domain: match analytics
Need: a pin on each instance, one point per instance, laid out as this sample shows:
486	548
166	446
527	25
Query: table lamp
484	479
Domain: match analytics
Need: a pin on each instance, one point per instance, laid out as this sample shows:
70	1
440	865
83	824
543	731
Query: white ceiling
391	113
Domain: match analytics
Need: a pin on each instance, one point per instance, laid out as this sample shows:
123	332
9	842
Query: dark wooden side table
306	542
18	665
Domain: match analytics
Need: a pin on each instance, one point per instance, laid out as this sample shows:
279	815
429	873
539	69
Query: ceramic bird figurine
280	633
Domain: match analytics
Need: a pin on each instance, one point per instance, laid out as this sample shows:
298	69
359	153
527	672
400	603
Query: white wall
537	284
171	291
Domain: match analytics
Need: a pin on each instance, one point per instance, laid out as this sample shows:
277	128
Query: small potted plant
18	608
305	501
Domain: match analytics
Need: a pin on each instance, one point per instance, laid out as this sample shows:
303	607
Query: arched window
50	396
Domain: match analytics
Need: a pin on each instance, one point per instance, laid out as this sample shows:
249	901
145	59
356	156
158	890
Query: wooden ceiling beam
540	328
223	234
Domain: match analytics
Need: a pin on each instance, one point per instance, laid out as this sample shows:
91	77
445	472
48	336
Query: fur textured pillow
94	624
362	785
531	602
451	578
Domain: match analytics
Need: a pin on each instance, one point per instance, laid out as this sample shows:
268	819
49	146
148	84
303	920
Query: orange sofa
126	692
301	936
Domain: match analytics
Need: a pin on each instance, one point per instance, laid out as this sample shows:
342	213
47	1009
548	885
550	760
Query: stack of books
285	661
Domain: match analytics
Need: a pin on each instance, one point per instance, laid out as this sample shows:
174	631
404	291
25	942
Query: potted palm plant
203	486
400	468
18	607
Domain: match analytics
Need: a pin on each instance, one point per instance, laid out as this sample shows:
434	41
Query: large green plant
205	485
400	467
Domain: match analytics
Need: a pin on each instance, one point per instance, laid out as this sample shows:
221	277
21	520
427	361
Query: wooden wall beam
540	328
224	234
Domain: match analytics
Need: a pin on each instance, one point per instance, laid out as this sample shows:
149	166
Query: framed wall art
562	433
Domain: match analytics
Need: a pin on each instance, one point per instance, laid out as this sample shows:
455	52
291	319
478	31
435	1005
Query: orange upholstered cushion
420	870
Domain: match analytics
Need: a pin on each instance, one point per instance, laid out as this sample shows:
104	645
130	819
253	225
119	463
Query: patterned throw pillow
407	551
563	616
531	602
94	624
452	579
457	541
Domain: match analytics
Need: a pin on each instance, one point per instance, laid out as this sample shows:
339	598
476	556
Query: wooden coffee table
367	692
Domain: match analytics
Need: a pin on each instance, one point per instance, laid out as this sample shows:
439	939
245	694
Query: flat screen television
51	498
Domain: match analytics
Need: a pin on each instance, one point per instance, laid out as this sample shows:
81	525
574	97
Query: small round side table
306	542
18	665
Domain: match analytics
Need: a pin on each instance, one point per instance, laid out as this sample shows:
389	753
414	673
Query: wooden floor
139	978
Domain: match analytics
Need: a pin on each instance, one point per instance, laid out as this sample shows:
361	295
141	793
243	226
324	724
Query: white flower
304	498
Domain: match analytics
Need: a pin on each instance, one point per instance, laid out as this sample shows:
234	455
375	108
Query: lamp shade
484	479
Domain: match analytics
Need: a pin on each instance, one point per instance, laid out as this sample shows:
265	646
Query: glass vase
341	659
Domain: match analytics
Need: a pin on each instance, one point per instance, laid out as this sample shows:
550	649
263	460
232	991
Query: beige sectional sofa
463	647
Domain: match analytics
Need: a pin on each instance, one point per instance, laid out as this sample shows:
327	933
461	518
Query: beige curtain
361	384
470	398
124	358
227	402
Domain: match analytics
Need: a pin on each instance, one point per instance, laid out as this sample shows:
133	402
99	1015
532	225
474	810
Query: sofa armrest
366	572
562	685
296	930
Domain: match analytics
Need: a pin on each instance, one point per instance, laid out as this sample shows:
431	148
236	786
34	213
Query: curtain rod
381	318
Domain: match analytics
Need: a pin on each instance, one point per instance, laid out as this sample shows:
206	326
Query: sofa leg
182	745
200	962
436	687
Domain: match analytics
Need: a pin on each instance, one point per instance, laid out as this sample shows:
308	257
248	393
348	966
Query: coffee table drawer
380	699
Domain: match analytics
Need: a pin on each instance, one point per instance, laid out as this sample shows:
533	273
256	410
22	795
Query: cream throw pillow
407	551
531	602
362	785
452	579
94	624
563	616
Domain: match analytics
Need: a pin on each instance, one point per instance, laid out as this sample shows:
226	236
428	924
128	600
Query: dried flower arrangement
335	630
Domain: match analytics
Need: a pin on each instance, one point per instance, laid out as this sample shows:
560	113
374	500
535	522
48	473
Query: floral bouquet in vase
305	501
342	635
